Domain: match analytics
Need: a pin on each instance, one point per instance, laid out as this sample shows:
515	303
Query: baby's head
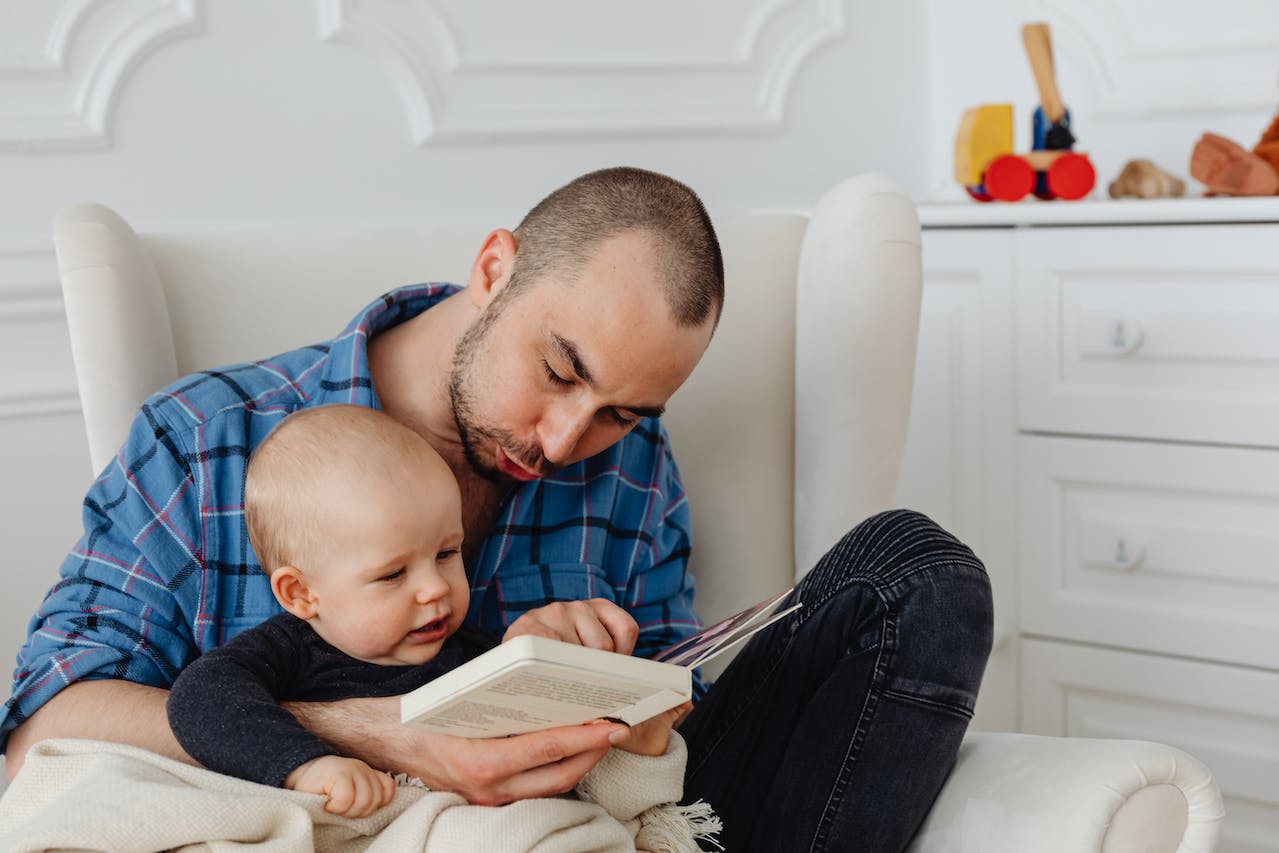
358	523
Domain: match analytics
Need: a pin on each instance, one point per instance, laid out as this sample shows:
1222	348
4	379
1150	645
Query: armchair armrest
1011	792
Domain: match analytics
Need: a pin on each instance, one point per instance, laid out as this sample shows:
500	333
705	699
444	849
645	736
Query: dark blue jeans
835	728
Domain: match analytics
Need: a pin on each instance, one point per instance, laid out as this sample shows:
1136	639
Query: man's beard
472	433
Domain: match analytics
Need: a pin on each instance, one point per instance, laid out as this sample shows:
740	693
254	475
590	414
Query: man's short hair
563	230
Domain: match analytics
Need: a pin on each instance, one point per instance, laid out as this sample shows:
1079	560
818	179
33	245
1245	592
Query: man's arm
112	631
487	772
106	709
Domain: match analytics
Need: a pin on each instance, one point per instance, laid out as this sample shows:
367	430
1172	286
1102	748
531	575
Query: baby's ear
291	590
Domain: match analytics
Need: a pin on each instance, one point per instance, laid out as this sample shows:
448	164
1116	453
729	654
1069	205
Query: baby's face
390	585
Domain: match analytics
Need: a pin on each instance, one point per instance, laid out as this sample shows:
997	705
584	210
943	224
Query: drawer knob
1126	336
1127	557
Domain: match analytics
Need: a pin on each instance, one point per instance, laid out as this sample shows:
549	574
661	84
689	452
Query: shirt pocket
517	590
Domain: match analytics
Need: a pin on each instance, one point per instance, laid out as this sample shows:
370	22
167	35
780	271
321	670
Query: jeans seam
887	645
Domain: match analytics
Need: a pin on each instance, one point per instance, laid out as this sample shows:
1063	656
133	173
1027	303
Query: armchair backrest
790	430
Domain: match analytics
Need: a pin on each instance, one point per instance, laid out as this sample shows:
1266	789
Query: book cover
532	683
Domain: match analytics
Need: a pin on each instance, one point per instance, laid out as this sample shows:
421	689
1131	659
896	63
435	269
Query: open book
531	683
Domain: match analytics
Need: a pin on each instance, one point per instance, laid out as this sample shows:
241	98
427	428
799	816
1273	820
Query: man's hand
353	788
487	772
597	622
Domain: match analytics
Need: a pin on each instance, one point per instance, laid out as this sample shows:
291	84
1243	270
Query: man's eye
554	377
393	576
623	420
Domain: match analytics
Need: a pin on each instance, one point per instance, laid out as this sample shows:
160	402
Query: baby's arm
353	788
224	708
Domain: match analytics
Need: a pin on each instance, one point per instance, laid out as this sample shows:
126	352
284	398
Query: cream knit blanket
79	794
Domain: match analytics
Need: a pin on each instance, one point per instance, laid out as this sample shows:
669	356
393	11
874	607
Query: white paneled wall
612	69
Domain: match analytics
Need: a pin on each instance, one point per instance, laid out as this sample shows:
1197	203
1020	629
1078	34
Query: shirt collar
346	376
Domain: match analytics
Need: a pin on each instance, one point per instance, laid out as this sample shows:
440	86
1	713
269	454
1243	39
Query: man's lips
511	468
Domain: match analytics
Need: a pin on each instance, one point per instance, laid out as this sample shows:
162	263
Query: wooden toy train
985	164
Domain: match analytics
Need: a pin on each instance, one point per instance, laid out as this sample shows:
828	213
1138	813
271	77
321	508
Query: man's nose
561	429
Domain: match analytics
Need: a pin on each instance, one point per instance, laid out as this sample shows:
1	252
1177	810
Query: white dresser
1097	413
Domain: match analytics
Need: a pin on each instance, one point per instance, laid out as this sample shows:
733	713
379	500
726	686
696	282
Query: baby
358	523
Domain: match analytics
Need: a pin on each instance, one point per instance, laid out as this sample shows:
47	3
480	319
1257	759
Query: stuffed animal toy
1143	179
1226	168
1267	148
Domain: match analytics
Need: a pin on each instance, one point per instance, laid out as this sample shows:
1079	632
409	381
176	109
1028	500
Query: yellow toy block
985	132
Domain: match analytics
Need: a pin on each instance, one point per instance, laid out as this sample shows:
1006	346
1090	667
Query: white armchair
809	378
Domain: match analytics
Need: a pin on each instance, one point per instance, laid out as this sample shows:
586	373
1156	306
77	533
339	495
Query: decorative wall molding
1175	62
719	65
39	376
61	72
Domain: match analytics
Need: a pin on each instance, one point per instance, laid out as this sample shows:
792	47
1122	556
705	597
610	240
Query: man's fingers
551	779
619	624
597	623
534	628
591	632
536	749
495	759
550	762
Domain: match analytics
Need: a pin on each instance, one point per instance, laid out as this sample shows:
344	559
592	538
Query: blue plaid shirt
164	570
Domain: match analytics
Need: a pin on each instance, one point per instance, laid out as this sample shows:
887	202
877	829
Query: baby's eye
393	576
446	555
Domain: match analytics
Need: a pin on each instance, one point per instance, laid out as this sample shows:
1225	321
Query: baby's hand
650	737
354	788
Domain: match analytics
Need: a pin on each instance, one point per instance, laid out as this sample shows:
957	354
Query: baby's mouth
429	630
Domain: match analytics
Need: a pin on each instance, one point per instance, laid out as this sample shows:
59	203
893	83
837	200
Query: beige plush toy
1143	179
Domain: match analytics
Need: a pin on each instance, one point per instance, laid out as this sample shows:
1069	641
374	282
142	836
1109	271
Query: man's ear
293	593
492	268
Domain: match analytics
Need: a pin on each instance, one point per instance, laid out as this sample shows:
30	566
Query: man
540	384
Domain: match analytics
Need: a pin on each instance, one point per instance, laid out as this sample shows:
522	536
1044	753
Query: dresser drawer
1227	717
1151	546
1165	332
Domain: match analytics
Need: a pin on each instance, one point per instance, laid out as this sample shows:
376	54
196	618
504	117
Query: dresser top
1103	211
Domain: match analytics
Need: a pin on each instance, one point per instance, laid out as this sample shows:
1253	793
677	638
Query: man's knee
935	595
888	548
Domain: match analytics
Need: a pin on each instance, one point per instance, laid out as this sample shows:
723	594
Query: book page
713	640
537	696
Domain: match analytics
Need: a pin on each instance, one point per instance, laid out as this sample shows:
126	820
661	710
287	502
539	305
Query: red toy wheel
1008	178
980	196
1071	176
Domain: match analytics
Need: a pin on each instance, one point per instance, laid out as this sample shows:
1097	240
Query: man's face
553	372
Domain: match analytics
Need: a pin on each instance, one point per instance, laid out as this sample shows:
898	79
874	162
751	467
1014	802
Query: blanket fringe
672	828
405	780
